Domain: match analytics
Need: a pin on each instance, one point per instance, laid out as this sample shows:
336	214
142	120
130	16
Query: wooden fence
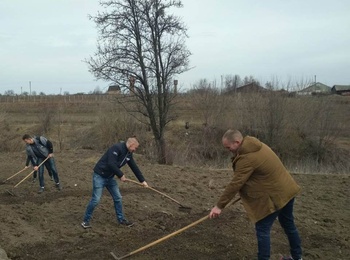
81	98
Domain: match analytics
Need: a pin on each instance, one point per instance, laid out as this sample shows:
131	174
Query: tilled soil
47	226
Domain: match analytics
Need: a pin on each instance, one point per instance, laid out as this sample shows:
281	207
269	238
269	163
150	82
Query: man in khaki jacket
266	188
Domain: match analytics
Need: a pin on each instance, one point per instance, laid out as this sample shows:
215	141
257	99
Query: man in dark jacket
266	188
38	149
109	165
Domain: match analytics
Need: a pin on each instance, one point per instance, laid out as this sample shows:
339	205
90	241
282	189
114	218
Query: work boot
41	190
126	223
58	186
85	225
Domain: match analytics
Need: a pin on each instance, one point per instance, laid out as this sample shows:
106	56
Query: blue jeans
98	183
51	167
286	219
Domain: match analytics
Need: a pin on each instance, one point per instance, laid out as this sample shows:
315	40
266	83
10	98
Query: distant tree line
96	91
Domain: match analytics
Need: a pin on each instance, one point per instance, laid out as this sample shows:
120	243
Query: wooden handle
165	195
168	236
24	179
31	172
161	239
16	174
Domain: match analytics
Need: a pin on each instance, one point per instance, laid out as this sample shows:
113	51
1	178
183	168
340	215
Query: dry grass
309	133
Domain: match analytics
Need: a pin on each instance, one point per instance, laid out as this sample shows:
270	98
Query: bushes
308	133
111	125
10	141
200	145
303	131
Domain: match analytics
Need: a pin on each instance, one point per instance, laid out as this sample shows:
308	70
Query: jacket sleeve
30	157
135	169
242	173
49	146
28	160
32	160
112	161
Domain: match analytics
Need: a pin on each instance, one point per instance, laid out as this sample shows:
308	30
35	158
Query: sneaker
289	258
58	186
34	180
126	223
85	225
41	190
51	177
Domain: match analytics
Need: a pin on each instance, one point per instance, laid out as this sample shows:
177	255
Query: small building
343	90
317	88
251	87
113	90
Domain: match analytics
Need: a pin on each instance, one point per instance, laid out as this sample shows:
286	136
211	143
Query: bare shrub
59	119
10	141
315	121
200	146
207	100
45	117
301	130
4	125
111	126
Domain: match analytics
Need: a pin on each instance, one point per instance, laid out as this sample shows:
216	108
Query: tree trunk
161	150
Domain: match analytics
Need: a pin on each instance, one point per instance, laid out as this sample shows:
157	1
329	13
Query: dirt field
47	226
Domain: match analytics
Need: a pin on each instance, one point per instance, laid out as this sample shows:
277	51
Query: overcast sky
43	43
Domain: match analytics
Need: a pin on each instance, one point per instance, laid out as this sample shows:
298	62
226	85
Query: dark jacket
41	148
116	157
29	160
263	183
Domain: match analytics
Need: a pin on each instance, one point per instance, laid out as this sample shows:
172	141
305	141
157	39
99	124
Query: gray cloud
45	42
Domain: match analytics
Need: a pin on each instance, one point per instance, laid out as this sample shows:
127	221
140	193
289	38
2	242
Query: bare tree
246	80
302	83
206	100
9	93
141	49
232	83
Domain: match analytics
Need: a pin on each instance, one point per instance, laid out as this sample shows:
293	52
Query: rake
167	236
11	193
181	207
13	175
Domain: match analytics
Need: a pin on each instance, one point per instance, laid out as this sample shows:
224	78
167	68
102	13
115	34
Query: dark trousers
35	173
286	219
51	166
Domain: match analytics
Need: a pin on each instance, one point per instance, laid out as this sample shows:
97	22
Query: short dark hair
26	136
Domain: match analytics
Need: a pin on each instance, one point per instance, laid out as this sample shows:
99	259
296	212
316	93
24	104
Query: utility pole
30	88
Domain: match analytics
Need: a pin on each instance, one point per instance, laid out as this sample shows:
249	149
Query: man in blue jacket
39	148
109	165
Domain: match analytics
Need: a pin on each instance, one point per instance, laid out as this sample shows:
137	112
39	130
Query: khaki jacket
263	183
